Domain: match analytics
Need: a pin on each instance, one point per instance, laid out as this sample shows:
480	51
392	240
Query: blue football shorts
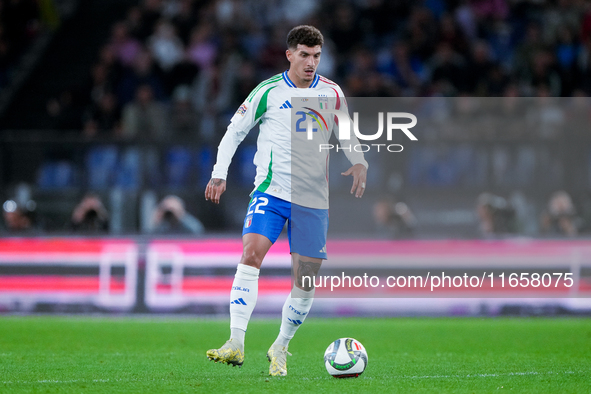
306	227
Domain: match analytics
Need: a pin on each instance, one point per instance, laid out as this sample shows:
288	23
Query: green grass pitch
167	355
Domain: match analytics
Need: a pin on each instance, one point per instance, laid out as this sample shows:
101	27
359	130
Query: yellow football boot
277	356
232	353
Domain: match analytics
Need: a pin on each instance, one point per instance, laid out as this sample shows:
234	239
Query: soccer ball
345	358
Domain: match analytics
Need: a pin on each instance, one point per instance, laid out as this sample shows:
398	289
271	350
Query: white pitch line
69	381
482	375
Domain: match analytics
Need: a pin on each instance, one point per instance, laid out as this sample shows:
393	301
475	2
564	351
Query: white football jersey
271	104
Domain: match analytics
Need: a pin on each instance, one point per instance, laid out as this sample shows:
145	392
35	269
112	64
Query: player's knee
252	258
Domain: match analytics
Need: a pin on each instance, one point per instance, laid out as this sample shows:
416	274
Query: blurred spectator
490	9
584	66
561	14
171	217
202	51
393	219
151	14
125	47
383	18
496	83
165	45
185	20
527	49
560	217
567	52
20	218
144	117
407	71
103	119
135	24
478	70
345	29
100	84
232	68
543	74
421	33
170	8
221	49
113	68
466	19
496	215
65	111
466	47
362	62
184	121
448	70
90	215
143	72
451	34
502	37
203	96
272	57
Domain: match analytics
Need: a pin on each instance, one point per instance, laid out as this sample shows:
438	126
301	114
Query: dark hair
306	35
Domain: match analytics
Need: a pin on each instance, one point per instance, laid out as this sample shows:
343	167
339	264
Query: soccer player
272	202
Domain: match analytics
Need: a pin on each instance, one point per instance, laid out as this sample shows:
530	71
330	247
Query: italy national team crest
323	102
242	110
248	222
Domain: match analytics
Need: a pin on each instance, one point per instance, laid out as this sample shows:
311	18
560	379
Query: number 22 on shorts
262	201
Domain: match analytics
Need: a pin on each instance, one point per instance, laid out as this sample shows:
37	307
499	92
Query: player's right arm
359	167
248	114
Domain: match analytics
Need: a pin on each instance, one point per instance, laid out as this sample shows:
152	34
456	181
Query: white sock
295	310
243	298
238	334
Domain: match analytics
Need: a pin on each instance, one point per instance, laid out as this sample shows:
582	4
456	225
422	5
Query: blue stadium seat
129	169
177	167
56	175
205	161
101	162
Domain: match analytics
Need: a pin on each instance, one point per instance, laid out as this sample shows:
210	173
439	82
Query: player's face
304	61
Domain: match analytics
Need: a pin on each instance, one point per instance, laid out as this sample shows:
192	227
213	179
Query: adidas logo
239	301
296	322
323	250
286	105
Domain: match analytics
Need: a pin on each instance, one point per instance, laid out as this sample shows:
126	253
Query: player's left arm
359	165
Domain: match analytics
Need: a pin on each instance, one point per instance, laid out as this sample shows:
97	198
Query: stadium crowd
176	70
183	66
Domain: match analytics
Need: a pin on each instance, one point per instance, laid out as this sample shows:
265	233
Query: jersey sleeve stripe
265	185
262	107
274	79
338	103
326	80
